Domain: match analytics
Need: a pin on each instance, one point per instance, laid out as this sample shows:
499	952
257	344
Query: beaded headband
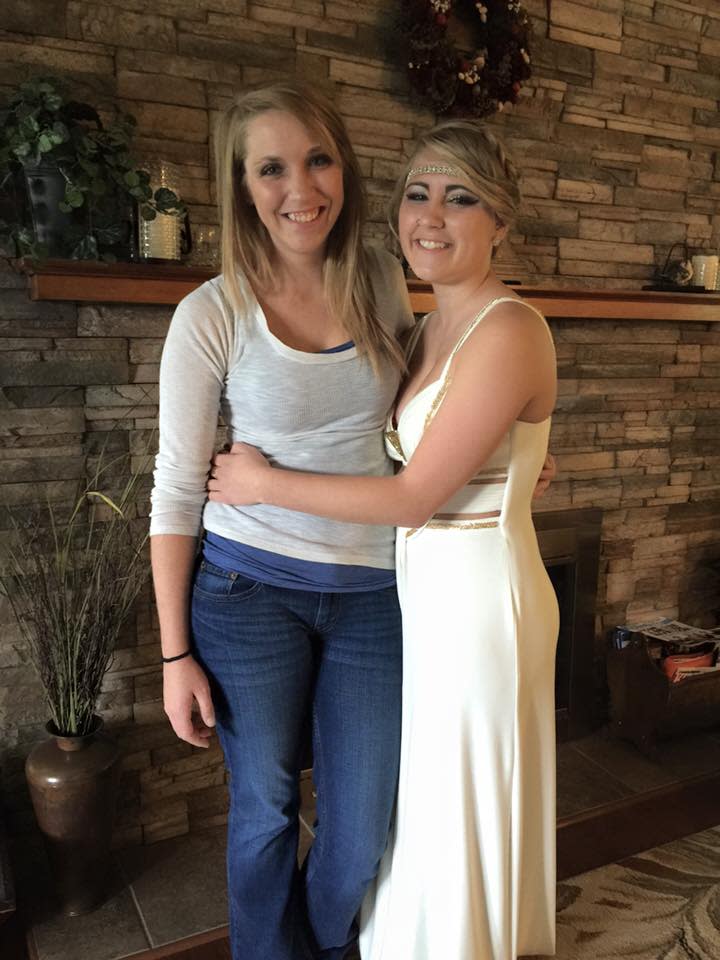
432	168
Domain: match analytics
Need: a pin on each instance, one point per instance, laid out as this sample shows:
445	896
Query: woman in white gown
469	872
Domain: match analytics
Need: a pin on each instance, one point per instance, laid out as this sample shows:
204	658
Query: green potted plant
69	185
73	576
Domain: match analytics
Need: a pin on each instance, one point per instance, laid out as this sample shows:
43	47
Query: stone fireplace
616	138
629	529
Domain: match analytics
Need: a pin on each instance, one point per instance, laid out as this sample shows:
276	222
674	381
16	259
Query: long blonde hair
247	248
470	147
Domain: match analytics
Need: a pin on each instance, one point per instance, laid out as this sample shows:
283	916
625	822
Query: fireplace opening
562	577
570	547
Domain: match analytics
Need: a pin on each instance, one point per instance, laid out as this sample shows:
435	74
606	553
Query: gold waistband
462	524
460	521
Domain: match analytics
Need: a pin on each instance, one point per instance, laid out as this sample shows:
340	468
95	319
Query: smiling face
294	182
445	230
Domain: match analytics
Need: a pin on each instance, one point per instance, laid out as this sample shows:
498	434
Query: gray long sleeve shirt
319	412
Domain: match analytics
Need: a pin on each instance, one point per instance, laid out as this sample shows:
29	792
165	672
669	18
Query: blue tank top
281	571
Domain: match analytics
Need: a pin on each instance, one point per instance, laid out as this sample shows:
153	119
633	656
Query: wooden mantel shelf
167	284
92	281
600	304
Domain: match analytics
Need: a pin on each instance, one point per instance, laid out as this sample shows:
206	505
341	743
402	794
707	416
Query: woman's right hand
185	684
236	477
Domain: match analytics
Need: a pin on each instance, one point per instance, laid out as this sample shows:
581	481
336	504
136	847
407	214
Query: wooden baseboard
180	947
620	829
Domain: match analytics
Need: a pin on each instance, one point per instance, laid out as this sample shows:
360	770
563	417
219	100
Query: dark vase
46	189
73	785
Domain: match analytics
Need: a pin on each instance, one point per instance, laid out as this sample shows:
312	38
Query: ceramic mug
705	271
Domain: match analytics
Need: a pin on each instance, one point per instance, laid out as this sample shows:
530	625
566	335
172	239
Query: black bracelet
180	656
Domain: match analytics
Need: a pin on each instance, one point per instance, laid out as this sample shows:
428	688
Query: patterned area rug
660	905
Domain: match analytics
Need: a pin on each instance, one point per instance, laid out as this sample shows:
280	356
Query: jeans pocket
214	583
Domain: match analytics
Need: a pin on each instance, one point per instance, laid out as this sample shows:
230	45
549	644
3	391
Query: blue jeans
275	658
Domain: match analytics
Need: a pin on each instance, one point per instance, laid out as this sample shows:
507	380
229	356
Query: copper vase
73	784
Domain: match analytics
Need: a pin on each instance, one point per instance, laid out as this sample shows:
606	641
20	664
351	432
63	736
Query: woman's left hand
547	475
236	477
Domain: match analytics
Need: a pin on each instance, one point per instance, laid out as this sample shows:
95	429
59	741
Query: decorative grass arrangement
71	583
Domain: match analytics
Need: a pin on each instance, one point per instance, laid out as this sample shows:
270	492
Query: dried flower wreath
475	83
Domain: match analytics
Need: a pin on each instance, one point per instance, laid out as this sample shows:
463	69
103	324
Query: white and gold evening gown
469	872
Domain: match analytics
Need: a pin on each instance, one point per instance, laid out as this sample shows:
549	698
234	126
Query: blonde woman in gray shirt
285	614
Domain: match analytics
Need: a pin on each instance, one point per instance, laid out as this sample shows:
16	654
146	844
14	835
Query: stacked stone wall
617	138
616	135
635	433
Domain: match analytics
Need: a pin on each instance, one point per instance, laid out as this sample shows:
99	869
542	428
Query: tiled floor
176	888
597	769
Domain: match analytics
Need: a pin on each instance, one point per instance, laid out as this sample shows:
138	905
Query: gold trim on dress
462	524
481	481
455	525
393	438
459	521
488	515
438	399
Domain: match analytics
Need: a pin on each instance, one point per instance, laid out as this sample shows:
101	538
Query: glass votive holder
206	246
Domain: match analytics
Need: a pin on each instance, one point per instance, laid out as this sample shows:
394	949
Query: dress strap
478	319
538	313
481	316
444	379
